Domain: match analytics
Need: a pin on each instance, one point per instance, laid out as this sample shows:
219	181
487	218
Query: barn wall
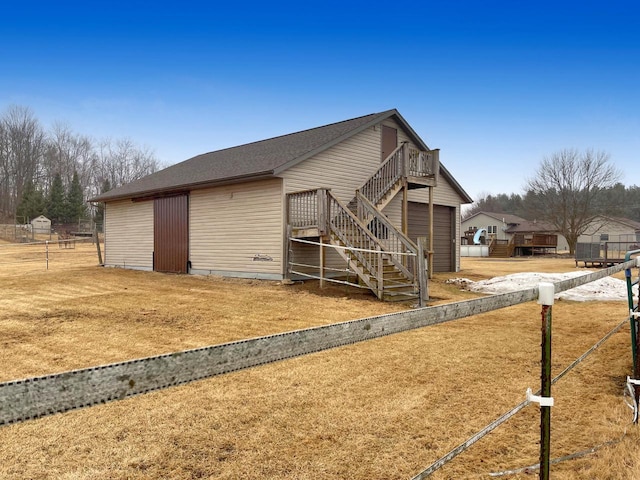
347	166
237	230
343	168
394	210
128	228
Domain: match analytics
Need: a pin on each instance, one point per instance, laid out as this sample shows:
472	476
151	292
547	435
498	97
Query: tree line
618	200
53	172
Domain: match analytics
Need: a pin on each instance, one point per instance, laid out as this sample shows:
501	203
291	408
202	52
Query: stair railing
366	248
387	175
401	251
423	163
308	209
492	246
512	246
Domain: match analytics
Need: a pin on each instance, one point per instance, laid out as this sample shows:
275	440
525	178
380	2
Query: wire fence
47	255
36	397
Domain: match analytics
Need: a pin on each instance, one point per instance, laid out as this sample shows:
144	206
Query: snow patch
605	289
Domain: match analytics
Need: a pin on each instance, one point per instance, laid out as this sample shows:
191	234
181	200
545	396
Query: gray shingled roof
507	218
262	159
626	221
532	226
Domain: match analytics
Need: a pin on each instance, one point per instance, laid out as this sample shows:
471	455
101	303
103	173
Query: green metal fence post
633	322
545	298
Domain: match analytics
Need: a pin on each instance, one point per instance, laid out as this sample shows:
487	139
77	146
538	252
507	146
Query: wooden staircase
385	260
500	249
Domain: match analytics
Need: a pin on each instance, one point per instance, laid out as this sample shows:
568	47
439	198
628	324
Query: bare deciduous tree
22	145
32	157
121	161
566	190
67	153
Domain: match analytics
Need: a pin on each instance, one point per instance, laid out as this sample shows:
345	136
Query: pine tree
32	203
75	209
56	201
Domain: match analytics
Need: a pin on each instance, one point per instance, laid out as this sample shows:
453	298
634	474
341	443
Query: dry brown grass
380	409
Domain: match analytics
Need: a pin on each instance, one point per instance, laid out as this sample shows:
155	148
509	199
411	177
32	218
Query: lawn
381	409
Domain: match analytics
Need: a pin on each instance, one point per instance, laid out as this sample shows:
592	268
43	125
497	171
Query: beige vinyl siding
237	230
443	194
393	210
305	254
129	234
343	168
305	258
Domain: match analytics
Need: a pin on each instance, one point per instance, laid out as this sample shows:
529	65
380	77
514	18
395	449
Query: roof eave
184	187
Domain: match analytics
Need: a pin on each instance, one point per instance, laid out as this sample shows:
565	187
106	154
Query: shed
41	224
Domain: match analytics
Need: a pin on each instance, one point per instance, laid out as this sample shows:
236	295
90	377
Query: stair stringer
355	265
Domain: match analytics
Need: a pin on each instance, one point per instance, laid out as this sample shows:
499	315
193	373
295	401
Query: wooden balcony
422	169
419	168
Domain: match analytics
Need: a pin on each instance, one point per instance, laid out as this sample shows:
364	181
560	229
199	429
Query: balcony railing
403	161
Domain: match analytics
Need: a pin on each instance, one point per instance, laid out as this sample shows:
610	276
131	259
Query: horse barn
354	201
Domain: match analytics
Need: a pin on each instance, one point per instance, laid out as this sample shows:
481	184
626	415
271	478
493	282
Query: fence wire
47	254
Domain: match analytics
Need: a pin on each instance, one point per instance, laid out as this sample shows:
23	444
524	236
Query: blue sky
495	85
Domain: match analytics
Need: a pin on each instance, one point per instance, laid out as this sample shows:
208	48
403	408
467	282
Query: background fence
47	255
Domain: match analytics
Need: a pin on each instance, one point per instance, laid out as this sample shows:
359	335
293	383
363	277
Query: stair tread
395	284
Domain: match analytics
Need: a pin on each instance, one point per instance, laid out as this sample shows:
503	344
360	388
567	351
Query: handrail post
436	164
423	293
322	206
404	162
380	274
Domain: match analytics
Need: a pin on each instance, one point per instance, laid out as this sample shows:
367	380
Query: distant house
494	224
606	241
268	209
509	235
605	228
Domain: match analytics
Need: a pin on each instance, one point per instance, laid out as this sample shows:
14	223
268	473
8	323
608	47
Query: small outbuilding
41	224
